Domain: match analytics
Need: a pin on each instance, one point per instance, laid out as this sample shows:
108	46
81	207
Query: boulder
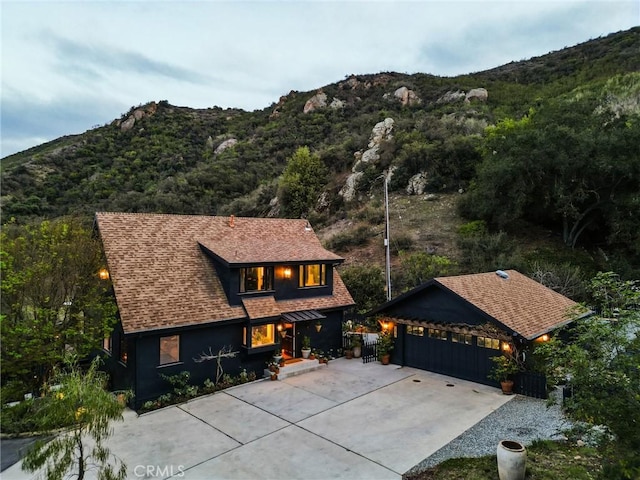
224	145
417	184
128	124
452	97
479	94
319	100
138	114
407	97
336	104
348	191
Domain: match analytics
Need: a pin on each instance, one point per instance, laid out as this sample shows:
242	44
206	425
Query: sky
67	67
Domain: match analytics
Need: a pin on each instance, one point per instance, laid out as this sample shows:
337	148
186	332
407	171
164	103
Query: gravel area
522	419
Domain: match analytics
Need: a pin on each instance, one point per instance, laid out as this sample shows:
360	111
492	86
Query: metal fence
369	351
531	384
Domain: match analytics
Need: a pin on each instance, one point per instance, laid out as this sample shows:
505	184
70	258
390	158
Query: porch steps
297	368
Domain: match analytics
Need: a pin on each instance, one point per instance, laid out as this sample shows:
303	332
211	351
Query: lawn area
546	460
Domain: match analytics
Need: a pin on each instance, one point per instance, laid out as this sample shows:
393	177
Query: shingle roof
265	240
519	302
163	279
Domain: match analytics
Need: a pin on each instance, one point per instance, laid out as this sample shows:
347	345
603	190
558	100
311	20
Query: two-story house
187	285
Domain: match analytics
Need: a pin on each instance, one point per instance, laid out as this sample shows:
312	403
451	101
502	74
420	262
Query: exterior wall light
281	330
286	272
544	338
103	274
506	347
318	326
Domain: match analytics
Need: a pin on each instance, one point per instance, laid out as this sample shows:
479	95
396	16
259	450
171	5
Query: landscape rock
224	145
452	97
417	184
431	197
382	131
407	97
128	124
138	114
348	191
336	104
319	100
479	94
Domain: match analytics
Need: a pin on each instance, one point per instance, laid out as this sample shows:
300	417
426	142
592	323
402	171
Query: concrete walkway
344	421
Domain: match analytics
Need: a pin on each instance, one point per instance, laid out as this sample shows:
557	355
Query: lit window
312	275
262	335
169	349
463	338
487	342
437	333
417	331
256	279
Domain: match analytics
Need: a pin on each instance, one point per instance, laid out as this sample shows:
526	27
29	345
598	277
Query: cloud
27	121
98	61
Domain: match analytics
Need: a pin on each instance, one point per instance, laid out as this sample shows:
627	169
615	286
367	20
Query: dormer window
256	279
313	275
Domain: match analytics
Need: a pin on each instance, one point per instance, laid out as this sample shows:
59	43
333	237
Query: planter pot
512	460
348	354
306	352
274	376
507	387
357	352
384	359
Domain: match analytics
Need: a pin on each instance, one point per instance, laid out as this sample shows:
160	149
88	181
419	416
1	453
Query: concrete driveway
345	421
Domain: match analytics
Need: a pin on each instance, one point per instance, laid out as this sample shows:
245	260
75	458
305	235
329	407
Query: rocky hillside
427	131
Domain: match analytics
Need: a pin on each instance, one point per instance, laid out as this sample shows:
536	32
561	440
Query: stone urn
512	460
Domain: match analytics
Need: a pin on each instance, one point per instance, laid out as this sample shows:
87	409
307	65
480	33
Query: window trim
303	275
248	336
268	279
491	346
160	356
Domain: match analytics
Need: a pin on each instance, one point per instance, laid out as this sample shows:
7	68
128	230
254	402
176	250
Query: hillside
162	158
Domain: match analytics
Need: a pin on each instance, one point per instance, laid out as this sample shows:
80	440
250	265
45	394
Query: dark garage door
438	353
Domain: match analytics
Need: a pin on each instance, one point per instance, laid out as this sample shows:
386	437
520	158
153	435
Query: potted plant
348	351
385	346
306	347
504	367
356	344
277	355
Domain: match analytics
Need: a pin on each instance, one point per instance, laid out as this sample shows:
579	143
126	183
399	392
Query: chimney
232	221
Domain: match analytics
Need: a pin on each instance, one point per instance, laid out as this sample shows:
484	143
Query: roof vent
307	227
232	221
502	274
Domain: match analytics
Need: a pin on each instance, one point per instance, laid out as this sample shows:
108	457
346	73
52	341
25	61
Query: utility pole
386	235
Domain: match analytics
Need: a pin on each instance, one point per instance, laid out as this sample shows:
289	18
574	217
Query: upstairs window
312	275
256	279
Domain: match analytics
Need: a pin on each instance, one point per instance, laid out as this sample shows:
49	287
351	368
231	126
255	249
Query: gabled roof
163	279
264	240
518	302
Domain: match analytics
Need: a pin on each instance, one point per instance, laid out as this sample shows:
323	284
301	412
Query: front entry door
288	341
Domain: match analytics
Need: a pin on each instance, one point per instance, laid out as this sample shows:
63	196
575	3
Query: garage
454	325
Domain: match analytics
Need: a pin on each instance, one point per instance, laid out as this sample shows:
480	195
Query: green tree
418	267
600	361
301	183
82	403
366	284
53	300
572	164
